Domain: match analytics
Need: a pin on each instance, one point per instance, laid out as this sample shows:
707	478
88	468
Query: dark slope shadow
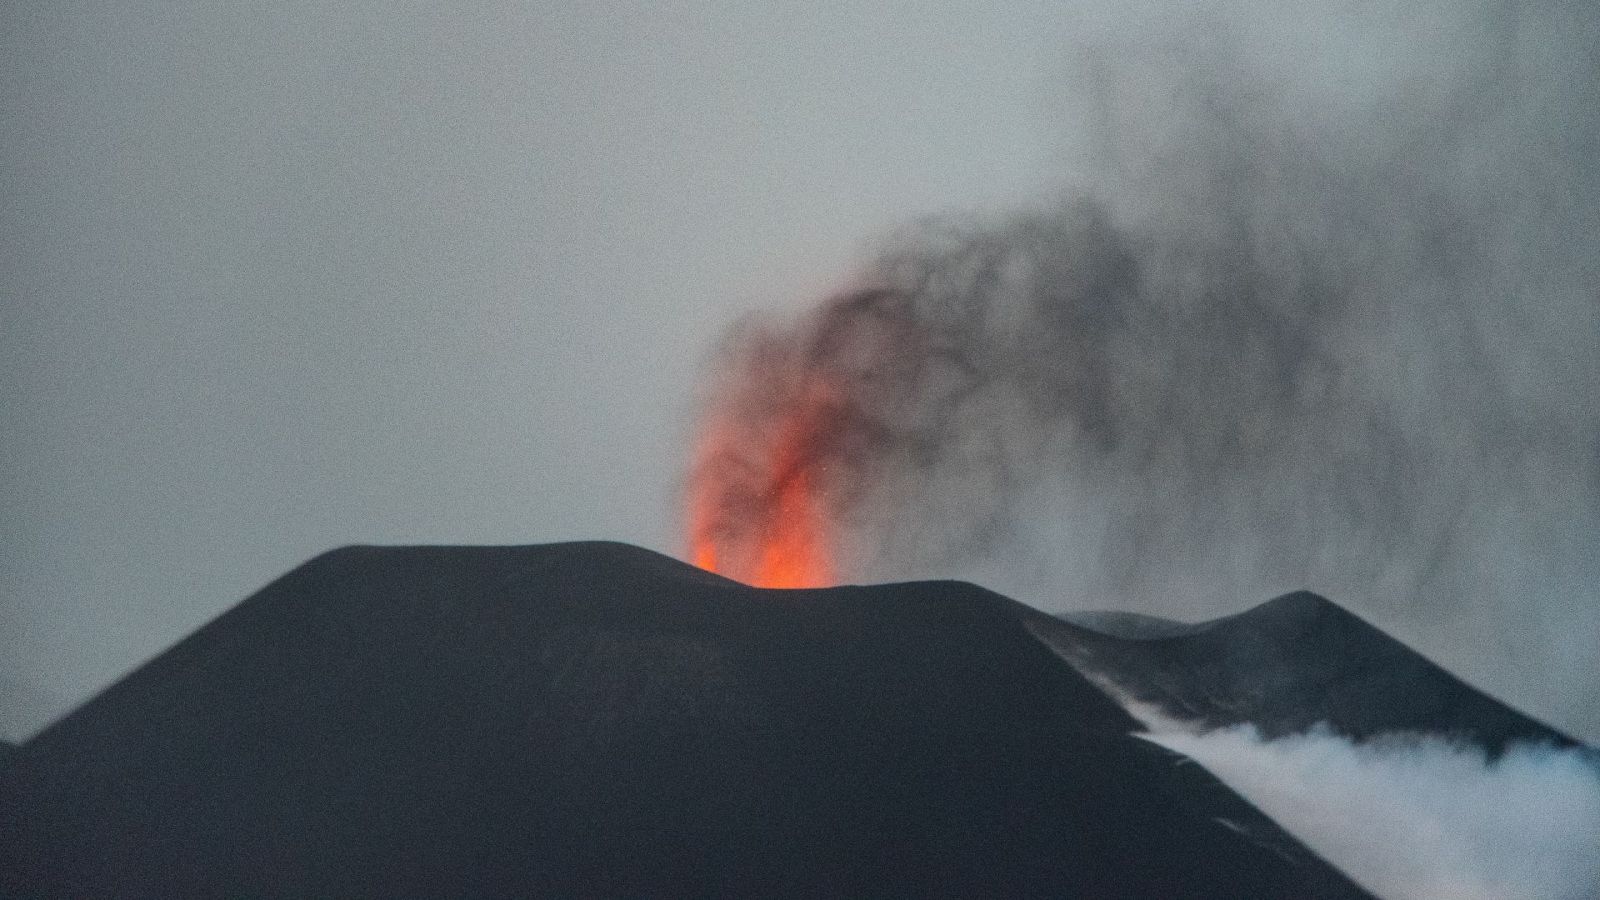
598	720
1293	662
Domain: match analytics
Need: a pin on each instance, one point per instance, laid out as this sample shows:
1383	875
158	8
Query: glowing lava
796	418
757	505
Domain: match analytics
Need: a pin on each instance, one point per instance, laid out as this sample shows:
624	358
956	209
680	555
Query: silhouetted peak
510	721
1286	665
1293	616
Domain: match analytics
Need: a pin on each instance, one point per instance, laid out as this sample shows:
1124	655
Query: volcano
1291	663
594	719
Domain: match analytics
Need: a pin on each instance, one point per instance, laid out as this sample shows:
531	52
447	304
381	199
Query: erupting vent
756	513
798	422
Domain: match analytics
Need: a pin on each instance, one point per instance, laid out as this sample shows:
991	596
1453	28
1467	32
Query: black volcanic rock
1284	666
596	719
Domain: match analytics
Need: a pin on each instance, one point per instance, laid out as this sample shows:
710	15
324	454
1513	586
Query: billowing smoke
1415	818
1315	307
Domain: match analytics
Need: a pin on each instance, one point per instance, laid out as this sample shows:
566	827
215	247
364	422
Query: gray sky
279	278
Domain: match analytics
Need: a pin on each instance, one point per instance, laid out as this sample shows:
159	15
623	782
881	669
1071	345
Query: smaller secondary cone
1296	662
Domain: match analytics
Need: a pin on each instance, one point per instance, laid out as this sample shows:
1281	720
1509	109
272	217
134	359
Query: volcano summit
597	719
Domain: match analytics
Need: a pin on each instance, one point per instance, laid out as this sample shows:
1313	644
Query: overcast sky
280	278
275	279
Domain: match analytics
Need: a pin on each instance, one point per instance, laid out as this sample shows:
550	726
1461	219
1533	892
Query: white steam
1421	818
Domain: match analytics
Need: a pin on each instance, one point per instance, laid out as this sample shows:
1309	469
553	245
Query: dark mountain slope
595	719
1285	665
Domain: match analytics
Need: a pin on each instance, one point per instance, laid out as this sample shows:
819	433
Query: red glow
757	510
793	547
796	414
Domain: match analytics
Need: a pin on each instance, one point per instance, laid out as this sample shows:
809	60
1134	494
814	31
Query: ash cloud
1317	308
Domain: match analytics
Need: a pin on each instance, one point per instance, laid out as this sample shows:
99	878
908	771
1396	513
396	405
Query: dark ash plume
1303	323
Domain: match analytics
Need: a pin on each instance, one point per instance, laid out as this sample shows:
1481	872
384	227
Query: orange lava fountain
757	510
796	417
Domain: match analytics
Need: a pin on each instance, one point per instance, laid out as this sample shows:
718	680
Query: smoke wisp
1316	308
